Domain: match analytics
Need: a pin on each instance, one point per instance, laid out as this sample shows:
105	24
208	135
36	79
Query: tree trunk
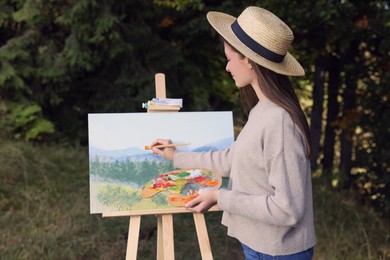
348	118
348	128
317	110
332	114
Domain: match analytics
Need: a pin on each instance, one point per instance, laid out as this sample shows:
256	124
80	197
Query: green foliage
182	5
374	180
26	122
75	57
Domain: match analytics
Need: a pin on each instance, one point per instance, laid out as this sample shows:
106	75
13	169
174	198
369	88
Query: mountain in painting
218	145
137	154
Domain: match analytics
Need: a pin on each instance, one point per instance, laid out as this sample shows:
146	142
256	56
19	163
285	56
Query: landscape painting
119	166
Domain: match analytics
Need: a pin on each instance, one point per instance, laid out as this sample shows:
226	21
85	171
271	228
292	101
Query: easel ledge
163	109
151	212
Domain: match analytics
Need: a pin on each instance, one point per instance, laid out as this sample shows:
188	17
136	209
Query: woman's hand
167	153
203	202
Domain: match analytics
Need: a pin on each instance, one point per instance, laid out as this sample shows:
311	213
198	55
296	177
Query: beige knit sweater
268	204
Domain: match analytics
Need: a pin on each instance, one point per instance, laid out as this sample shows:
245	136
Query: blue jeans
251	254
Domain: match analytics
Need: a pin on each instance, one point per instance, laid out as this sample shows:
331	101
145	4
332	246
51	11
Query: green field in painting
116	185
108	196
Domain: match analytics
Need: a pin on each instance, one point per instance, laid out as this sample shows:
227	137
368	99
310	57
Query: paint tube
163	102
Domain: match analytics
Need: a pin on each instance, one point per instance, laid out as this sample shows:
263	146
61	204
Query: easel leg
165	242
160	245
132	240
203	238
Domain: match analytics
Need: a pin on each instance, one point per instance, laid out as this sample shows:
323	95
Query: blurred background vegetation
60	60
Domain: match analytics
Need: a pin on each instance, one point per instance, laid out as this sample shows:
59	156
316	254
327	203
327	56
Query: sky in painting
114	131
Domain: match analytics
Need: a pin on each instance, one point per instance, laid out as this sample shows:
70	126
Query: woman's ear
246	61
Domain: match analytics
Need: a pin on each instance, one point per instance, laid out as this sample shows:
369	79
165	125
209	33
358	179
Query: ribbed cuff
223	199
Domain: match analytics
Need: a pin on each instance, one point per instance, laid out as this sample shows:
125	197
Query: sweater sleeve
219	160
287	168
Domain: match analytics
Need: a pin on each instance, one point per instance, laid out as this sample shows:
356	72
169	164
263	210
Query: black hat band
255	46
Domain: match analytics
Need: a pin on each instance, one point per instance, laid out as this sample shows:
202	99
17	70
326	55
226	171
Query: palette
183	185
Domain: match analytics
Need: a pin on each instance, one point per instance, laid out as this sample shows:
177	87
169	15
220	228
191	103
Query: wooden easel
165	237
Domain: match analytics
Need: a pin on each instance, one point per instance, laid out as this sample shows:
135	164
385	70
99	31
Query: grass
44	214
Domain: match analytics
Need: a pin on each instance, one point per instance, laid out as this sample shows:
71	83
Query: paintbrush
149	147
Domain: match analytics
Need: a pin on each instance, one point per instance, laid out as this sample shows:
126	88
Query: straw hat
261	36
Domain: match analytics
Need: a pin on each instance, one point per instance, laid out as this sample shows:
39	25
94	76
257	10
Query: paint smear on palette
183	185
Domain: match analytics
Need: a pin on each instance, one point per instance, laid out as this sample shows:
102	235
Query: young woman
268	204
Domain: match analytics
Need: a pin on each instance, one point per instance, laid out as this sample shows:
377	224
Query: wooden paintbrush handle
148	147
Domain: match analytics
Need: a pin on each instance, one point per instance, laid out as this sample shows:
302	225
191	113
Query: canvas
119	166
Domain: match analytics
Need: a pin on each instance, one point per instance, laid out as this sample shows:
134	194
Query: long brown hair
278	89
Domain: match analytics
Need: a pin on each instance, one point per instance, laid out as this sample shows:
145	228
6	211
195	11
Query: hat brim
222	22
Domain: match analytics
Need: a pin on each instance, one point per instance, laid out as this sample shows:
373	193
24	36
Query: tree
86	56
